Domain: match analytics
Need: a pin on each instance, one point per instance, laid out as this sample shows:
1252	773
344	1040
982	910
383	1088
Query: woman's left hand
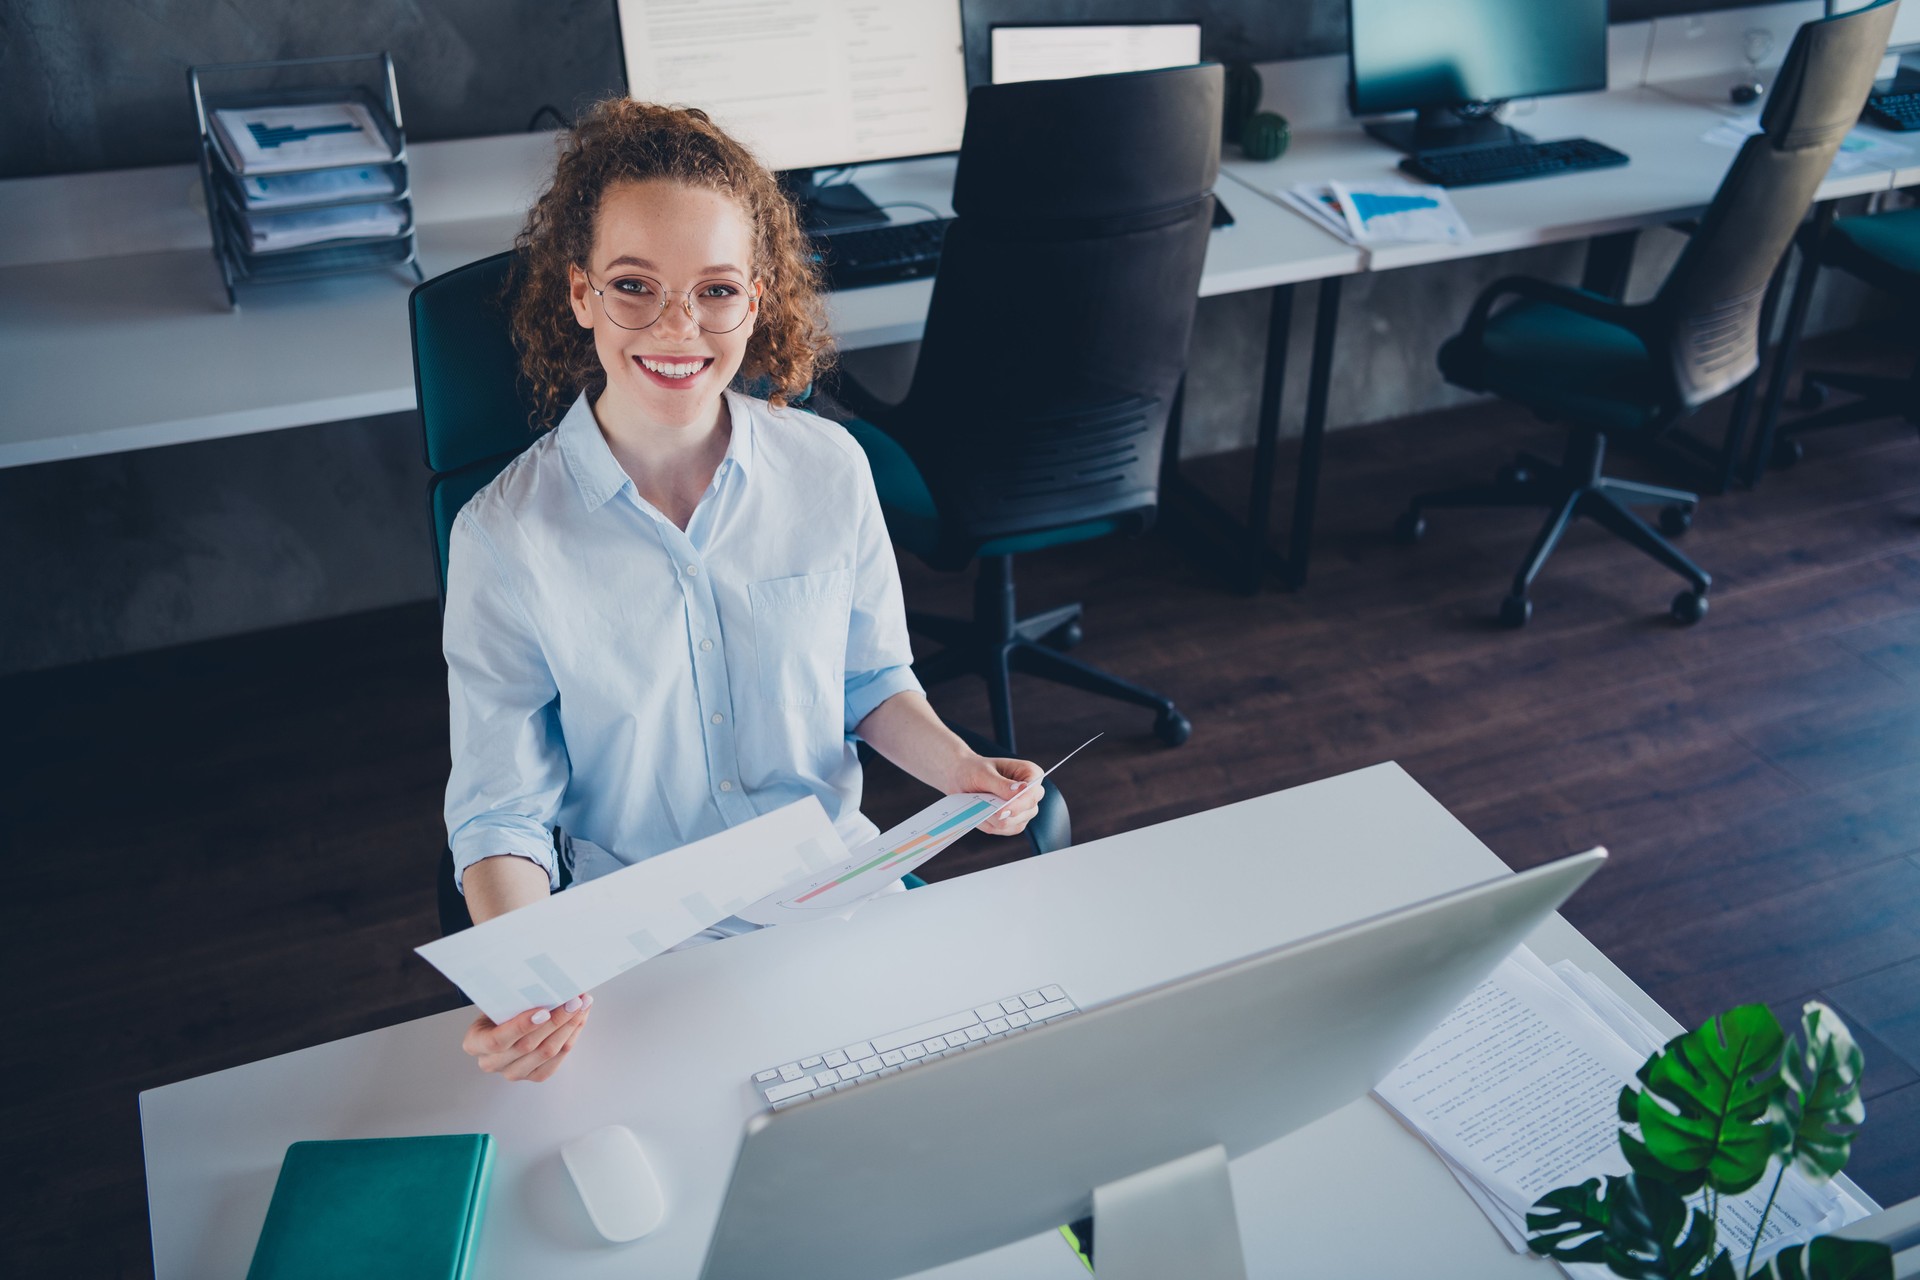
986	775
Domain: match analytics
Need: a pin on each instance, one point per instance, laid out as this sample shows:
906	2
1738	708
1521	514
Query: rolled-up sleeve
510	766
879	654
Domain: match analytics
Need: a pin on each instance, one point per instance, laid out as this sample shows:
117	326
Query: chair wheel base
1812	395
1410	528
1676	518
1064	638
1689	607
1515	611
1513	473
1172	728
1786	453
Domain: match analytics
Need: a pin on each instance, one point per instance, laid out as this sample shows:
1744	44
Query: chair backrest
474	406
1711	301
1061	314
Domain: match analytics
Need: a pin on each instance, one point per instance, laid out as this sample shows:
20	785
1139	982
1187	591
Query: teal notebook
376	1209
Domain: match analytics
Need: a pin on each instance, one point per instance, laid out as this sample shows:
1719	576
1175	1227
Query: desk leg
1306	485
1266	445
1609	263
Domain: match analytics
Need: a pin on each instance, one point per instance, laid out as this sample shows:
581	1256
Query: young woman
678	608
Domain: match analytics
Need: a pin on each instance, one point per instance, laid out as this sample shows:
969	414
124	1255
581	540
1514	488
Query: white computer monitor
807	84
1016	1136
1022	51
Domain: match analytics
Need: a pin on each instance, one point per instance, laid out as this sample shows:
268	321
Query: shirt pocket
800	636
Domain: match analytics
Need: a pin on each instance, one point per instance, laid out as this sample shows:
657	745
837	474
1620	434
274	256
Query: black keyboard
1503	162
1899	111
881	255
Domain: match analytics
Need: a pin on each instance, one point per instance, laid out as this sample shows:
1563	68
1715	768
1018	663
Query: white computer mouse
616	1182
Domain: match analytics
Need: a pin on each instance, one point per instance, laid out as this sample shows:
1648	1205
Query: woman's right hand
531	1046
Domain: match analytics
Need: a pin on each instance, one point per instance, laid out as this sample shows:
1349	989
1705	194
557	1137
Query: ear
579	296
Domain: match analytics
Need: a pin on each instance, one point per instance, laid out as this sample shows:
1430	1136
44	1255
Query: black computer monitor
1454	60
808	85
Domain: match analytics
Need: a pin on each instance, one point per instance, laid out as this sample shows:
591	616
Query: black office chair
1055	343
1604	367
1882	249
475	412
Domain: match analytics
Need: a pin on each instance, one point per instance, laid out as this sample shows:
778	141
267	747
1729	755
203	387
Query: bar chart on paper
877	863
885	858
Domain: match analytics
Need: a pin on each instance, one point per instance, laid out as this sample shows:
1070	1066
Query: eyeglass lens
636	302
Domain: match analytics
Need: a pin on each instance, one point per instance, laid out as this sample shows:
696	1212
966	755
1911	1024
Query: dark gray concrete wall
113	555
102	84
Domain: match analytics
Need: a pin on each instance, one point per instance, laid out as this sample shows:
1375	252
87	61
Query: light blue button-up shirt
642	687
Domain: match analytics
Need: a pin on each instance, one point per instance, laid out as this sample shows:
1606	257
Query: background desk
675	1040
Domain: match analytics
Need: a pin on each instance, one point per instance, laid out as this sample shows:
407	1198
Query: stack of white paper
1516	1092
1383	213
296	228
276	139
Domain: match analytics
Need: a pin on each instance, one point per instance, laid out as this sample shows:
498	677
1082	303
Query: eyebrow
627	260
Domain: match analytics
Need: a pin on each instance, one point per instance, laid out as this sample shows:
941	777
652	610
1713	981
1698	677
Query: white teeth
674	370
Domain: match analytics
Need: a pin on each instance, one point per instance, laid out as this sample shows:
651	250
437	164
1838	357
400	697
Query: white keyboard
843	1068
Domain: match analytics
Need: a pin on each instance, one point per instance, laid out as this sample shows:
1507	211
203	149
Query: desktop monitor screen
806	84
1440	53
1061	53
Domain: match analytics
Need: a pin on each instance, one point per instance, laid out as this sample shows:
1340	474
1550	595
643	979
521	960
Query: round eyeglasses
638	302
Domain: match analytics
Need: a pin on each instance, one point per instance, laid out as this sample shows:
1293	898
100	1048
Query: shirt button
718	718
726	786
693	570
706	646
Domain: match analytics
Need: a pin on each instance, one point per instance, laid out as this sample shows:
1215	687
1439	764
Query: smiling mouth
674	370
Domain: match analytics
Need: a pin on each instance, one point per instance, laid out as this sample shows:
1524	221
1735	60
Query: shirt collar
600	476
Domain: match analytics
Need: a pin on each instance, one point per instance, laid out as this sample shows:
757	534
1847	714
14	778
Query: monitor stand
1436	128
1175	1219
838	206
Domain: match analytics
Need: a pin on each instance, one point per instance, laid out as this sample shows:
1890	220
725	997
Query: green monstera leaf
1638	1227
1706	1114
1816	1115
1830	1258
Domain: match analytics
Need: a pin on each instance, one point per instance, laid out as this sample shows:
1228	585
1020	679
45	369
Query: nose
677	317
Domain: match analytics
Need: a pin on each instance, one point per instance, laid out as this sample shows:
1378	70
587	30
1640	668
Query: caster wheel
1064	638
1676	519
1172	728
1512	474
1786	453
1410	528
1689	607
1812	395
1515	611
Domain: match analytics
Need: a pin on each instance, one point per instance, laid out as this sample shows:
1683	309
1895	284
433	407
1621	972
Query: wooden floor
226	851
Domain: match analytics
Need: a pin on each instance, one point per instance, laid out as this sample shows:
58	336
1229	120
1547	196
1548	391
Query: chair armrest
1598	306
850	394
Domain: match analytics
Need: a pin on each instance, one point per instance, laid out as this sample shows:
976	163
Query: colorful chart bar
896	854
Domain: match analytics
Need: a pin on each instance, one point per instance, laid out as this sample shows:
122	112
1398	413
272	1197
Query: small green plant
1265	136
1716	1108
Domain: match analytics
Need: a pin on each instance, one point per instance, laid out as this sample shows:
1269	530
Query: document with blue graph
544	954
277	139
881	861
1400	213
1385	213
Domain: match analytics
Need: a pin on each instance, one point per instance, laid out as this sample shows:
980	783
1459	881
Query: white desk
672	1044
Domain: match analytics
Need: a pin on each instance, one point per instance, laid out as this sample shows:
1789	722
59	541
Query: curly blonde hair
620	140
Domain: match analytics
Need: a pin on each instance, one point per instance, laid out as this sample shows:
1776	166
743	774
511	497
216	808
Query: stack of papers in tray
318	186
268	232
1517	1091
1379	213
276	139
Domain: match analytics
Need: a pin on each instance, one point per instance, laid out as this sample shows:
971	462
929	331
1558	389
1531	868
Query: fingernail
540	1017
573	1005
586	1001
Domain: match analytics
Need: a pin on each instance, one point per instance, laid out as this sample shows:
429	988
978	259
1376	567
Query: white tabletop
673	1042
106	354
